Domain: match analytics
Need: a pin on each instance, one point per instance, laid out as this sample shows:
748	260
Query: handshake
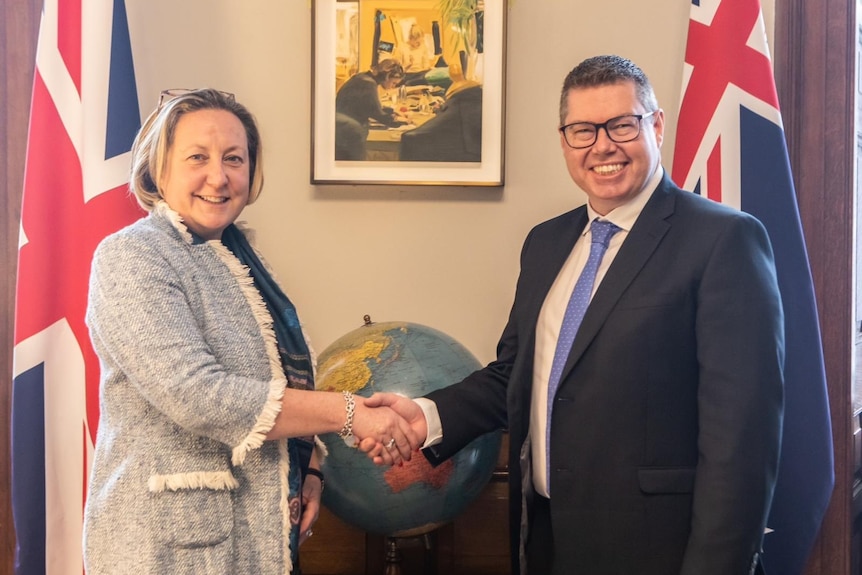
389	428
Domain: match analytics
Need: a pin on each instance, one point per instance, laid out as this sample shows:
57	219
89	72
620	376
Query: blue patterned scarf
295	361
295	357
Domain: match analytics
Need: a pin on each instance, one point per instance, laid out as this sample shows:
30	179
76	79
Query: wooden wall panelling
814	54
19	22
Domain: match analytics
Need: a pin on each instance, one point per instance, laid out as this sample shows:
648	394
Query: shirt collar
625	215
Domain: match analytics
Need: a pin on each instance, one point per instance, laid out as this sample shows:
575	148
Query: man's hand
412	415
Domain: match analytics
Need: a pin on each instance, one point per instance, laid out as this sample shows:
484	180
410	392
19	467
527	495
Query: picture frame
438	70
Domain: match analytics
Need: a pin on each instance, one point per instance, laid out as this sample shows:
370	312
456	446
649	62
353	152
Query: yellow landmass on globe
346	370
418	470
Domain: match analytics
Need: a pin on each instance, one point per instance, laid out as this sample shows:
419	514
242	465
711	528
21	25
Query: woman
205	369
414	55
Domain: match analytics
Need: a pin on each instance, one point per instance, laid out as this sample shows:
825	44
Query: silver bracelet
346	432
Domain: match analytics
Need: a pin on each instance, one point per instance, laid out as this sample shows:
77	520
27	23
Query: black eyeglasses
167	95
620	130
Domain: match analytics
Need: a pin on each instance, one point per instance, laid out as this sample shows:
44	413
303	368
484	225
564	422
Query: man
664	431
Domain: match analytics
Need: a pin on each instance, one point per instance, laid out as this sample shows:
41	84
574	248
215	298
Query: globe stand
393	557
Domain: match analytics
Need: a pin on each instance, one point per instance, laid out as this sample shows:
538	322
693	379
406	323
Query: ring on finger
391	443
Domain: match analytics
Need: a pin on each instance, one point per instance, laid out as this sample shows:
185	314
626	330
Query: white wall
444	257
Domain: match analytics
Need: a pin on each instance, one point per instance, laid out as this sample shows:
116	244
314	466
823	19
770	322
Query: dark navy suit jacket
667	423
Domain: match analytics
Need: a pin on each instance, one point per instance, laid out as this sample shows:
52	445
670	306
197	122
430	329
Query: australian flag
730	147
84	117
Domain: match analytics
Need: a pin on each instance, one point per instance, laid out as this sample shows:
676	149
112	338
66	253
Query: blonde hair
154	139
416	32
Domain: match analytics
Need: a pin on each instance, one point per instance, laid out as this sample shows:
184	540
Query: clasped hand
389	428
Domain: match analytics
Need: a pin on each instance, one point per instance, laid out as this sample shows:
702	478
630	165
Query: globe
413	499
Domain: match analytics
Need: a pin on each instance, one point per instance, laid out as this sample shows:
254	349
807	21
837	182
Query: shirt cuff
432	421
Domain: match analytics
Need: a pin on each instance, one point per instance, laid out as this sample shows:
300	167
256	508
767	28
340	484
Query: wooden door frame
815	47
19	22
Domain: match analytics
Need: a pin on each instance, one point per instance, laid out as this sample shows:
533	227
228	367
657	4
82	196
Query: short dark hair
603	71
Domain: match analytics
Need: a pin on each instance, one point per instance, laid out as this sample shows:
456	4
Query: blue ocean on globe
410	359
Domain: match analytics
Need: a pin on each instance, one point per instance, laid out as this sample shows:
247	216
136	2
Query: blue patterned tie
601	233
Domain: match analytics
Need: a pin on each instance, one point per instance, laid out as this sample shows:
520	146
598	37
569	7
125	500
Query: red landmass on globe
418	470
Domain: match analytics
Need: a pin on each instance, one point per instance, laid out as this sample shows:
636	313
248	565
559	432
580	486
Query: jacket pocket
192	514
657	480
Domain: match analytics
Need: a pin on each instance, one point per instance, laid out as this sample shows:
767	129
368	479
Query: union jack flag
83	120
730	147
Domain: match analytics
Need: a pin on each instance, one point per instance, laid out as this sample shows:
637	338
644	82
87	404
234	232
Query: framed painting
408	92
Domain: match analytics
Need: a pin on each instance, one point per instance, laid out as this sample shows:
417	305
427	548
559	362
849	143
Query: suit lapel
554	251
643	239
545	251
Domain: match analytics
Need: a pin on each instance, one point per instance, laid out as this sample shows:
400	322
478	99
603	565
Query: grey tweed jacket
182	479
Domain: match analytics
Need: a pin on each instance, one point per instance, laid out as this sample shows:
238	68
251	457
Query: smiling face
206	180
610	173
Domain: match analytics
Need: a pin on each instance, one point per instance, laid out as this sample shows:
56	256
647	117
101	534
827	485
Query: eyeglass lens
619	130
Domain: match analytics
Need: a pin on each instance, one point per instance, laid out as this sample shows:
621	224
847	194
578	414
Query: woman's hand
406	408
312	491
385	427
